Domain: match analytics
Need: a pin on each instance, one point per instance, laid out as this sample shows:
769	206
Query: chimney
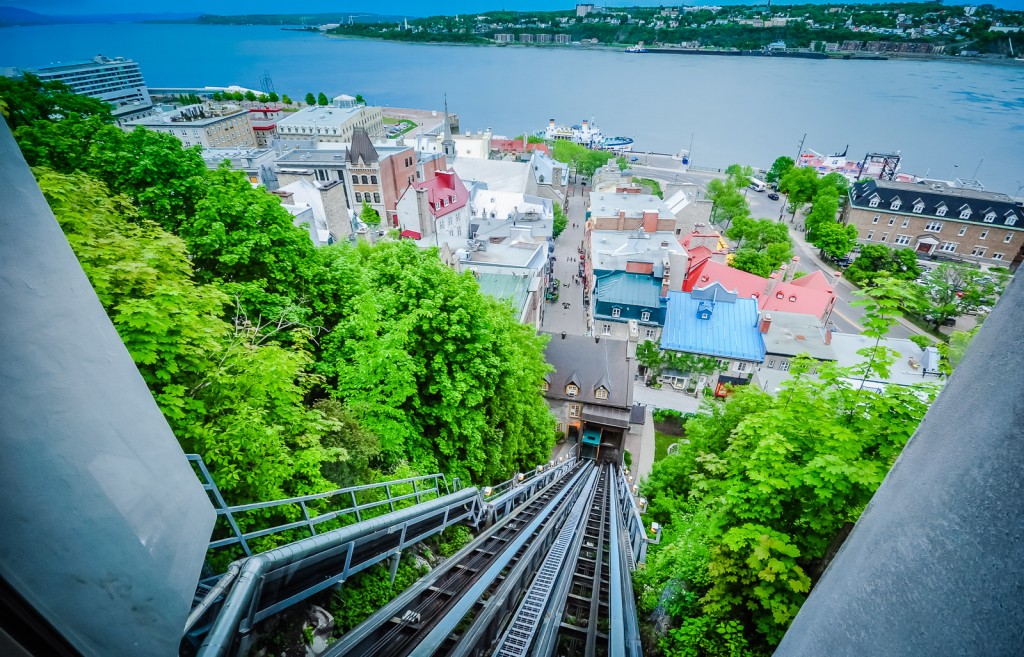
828	335
773	282
783	270
563	332
766	322
650	221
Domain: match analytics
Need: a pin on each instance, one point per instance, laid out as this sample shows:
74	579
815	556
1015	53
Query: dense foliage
290	369
758	501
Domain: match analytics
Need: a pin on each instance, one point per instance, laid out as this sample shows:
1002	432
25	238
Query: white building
332	123
209	126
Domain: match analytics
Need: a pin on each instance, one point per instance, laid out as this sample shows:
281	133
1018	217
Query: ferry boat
587	134
637	48
872	166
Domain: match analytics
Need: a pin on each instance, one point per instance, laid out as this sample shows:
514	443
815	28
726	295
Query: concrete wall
935	564
105	525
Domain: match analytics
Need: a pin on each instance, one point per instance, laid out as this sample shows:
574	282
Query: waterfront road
567	313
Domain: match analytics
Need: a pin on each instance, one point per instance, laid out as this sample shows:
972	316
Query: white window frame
572	390
1008	238
978	251
601	393
902	240
965	214
884	237
948	247
784	366
933	227
892	221
645	315
771	363
870	235
606	329
941	212
919	207
1011	221
997	256
616	312
874	202
575	411
740	366
896	203
874	220
989	218
962	231
906	222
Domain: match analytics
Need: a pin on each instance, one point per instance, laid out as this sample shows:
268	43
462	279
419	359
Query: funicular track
427	618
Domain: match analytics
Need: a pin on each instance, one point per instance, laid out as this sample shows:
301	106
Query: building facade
629	211
209	126
336	122
935	219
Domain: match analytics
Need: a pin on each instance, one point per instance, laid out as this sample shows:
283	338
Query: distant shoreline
866	57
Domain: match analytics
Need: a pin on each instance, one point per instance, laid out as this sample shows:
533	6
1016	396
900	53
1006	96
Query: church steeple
447	144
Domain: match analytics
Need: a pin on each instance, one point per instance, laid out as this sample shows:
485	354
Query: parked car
773	196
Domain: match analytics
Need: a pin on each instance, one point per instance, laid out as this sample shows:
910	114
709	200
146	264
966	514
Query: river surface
947	118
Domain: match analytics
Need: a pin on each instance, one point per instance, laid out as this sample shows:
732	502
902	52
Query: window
645	316
601	393
906	222
1011	221
870	235
784	366
1008	238
574	410
941	211
359	197
902	240
373	180
933	227
874	219
606	329
962	231
376	197
544	386
997	256
983	234
948	247
965	213
559	427
741	367
919	207
896	203
366	180
990	217
874	202
892	221
771	364
884	238
978	251
572	390
649	333
616	312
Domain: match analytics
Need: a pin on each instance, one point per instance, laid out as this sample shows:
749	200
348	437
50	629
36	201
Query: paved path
664	398
640	443
558	318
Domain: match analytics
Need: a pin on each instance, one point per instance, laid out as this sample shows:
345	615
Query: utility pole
800	148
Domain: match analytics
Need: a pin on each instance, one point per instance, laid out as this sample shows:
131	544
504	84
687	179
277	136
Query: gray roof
795	333
610	204
590	364
362	147
932	196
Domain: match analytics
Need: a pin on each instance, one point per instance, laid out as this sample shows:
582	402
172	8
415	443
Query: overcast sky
412	7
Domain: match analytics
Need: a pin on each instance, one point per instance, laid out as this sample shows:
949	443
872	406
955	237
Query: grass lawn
661	443
405	124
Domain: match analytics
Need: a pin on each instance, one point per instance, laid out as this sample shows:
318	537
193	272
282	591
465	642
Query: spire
448	143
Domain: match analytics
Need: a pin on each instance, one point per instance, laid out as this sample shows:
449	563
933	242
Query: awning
411	234
612	417
592	437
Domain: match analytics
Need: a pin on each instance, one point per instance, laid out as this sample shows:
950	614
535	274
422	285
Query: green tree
740	175
368	215
273	97
560	221
800	186
217	96
237	96
648	354
250	96
876	259
360	99
322	100
953	289
728	202
28	99
622	163
835	240
780	167
310	99
882	303
286	99
263	98
764	245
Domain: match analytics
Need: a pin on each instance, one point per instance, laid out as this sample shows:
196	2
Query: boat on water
637	48
586	134
874	165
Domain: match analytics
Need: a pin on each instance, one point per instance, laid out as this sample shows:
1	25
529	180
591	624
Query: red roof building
517	146
435	210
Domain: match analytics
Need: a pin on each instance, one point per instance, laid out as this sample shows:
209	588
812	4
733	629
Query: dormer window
896	203
572	390
874	202
545	386
990	217
601	393
645	316
919	207
965	213
1011	221
616	312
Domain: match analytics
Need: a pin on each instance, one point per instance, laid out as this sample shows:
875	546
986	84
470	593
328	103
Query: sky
394	7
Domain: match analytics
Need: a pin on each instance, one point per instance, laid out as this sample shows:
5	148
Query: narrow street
567	313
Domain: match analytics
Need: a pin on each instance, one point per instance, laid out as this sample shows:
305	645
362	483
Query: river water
946	118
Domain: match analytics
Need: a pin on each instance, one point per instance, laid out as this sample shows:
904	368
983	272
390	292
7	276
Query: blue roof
629	289
731	332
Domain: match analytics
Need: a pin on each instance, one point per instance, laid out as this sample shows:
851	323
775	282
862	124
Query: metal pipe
239	599
226	579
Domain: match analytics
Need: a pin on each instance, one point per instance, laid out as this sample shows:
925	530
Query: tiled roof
589	364
932	196
444	185
730	332
743	283
808	295
628	289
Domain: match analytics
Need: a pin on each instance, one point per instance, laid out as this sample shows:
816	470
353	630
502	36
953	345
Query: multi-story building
332	123
436	211
264	124
563	38
256	163
936	219
375	175
209	126
117	81
630	211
